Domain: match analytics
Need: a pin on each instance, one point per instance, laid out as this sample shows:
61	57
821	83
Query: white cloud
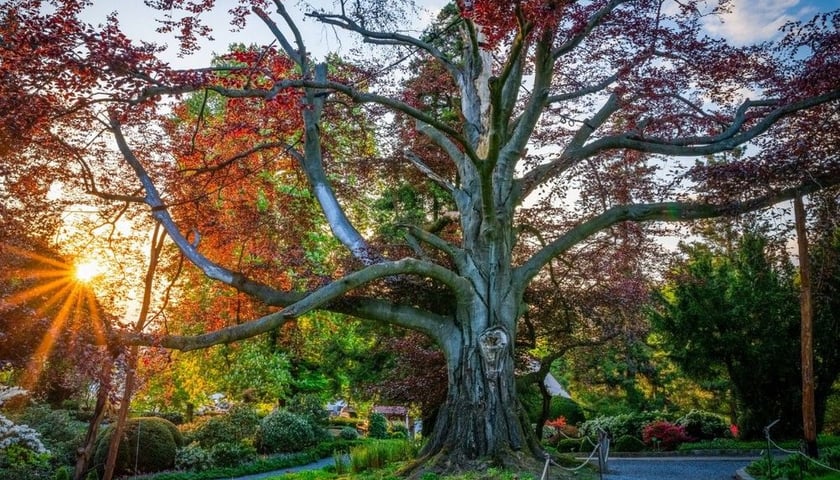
754	21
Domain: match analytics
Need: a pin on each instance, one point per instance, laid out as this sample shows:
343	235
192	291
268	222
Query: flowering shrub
12	434
22	454
22	435
734	431
664	435
558	422
620	425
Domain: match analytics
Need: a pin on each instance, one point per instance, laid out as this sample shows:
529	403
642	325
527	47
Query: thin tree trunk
85	453
809	419
116	436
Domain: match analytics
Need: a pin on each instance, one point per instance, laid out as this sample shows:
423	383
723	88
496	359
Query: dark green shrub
232	454
59	431
702	425
628	443
378	427
193	458
173	429
348	433
311	406
568	408
147	446
71	404
831	456
284	431
63	473
570	445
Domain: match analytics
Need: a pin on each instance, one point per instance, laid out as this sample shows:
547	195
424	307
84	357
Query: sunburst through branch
60	291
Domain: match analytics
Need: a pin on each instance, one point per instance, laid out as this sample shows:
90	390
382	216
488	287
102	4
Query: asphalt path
619	468
675	468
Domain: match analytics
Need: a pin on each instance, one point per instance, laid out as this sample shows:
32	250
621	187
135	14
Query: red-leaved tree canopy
538	130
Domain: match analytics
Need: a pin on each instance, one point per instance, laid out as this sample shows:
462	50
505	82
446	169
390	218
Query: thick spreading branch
436	326
459	286
708	145
663	212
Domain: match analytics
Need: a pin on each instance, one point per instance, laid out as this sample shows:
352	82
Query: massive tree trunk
482	422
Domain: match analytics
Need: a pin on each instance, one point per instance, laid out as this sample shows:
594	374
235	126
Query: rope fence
602	448
773	444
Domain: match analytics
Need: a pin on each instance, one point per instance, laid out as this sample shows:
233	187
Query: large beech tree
546	96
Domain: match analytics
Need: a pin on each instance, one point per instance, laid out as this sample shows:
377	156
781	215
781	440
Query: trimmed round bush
284	431
704	425
568	408
174	417
155	452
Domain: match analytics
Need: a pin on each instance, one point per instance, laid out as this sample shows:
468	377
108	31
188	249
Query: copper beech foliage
547	136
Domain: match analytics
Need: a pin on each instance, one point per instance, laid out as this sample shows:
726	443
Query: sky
753	21
749	21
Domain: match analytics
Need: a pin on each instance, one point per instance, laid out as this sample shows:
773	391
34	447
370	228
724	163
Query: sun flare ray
34	256
55	298
43	273
39	358
95	319
33	292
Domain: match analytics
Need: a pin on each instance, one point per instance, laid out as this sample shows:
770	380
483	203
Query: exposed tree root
445	463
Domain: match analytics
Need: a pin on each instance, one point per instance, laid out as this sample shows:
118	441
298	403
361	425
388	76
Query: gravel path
675	468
